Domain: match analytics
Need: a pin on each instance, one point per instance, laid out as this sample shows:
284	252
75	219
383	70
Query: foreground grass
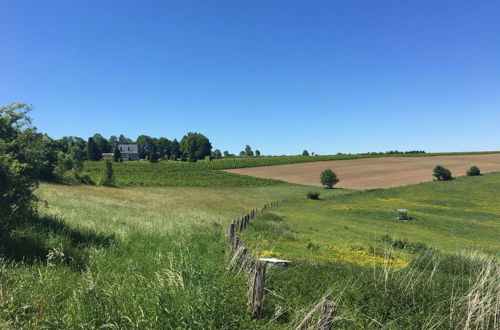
128	258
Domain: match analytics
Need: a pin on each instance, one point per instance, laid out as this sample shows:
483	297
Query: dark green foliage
305	153
93	151
164	147
328	178
19	165
117	155
441	173
146	146
248	151
195	146
473	171
108	176
102	143
257	152
313	195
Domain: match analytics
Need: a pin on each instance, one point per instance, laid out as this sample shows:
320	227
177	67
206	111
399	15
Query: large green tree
195	146
20	161
163	146
146	145
94	153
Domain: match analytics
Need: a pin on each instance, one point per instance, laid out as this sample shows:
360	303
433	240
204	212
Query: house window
120	148
128	148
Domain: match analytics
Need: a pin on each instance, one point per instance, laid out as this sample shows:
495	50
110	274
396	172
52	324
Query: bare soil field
374	172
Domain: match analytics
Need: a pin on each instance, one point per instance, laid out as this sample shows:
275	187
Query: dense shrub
473	171
328	178
20	162
313	195
441	173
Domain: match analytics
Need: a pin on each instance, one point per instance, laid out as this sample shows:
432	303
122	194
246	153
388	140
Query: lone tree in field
195	146
441	173
473	171
328	179
108	178
305	153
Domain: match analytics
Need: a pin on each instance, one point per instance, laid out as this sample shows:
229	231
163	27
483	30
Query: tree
441	173
124	140
175	149
102	143
108	176
473	171
113	142
248	151
226	154
195	146
93	151
242	154
257	152
163	145
145	145
64	164
19	163
217	154
328	178
305	153
153	153
117	155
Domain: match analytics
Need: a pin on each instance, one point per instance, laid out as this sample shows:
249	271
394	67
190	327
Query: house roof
128	148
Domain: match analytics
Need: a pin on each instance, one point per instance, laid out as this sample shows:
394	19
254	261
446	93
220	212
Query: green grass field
202	173
155	257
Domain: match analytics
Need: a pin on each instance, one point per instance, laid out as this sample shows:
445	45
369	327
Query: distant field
449	216
202	173
375	172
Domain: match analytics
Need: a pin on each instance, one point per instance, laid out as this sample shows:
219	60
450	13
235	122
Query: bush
473	171
328	178
441	173
313	195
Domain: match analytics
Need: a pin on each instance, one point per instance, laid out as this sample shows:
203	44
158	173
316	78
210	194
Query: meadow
155	257
142	257
438	270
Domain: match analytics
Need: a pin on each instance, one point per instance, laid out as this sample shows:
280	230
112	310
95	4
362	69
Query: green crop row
150	175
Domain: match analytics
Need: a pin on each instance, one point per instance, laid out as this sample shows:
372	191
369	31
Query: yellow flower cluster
364	258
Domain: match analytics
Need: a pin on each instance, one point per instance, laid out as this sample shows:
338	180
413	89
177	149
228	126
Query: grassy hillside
202	173
143	257
154	257
431	272
448	215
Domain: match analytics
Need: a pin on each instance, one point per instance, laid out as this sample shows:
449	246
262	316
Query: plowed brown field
374	172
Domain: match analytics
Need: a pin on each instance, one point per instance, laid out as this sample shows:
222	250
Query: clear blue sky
283	76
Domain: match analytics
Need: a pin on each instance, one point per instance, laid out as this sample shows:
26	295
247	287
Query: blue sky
282	76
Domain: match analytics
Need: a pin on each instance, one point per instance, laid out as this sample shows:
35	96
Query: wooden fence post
230	239
242	224
257	289
327	315
239	257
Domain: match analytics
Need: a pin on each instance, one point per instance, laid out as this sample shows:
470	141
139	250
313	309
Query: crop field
375	172
202	173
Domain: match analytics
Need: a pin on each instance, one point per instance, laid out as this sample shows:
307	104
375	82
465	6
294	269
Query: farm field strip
374	173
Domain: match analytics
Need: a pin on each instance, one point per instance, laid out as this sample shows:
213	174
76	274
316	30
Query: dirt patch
374	172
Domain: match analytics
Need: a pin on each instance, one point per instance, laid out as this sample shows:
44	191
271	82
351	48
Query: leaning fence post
257	289
231	235
328	310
